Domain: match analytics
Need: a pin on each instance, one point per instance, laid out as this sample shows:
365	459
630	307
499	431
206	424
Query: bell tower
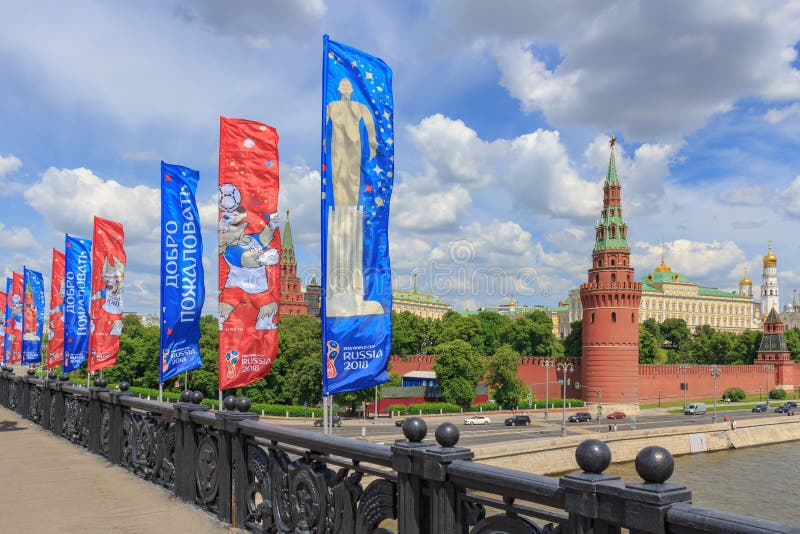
610	299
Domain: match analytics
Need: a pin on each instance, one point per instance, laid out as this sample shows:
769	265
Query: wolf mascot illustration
247	257
113	277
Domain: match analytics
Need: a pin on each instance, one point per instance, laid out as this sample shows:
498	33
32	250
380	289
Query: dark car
760	408
580	417
790	404
335	421
399	422
783	409
518	420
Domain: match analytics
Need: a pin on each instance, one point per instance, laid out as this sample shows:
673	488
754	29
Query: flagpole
160	392
219	407
325	414
324	238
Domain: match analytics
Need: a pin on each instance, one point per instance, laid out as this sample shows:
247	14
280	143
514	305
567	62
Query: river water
757	481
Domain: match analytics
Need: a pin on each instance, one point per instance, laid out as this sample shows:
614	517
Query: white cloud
653	71
776	115
745	196
694	259
69	199
9	164
17	238
789	201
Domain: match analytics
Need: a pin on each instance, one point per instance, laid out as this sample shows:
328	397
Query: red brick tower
292	301
773	351
610	361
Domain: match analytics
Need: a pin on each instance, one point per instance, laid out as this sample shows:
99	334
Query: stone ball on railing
415	429
243	404
593	456
97	382
103	382
123	386
30	372
229	403
52	375
197	397
64	377
447	435
654	464
186	395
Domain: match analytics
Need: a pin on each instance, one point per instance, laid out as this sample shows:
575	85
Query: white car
477	420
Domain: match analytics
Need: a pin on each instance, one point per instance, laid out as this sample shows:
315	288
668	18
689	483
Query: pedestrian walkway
49	485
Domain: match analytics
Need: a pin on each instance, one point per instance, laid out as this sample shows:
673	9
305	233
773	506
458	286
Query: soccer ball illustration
229	197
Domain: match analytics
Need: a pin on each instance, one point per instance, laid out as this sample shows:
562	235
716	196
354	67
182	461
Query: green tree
648	345
407	333
676	334
458	368
464	327
502	377
573	343
792	337
493	325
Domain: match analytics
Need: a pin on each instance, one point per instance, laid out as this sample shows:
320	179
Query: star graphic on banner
390	141
379	201
167	178
368	76
169	331
386	115
377	169
353	63
368	189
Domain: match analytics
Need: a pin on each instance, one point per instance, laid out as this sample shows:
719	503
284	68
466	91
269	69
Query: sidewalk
50	485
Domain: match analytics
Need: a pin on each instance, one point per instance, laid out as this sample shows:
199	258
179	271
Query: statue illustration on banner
345	247
247	255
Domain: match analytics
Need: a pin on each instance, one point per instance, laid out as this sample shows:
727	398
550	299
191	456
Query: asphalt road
496	432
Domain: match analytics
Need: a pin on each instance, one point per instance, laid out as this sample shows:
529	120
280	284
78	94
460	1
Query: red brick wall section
664	381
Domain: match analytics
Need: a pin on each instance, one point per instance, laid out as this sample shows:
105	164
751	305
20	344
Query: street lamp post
564	367
767	369
548	363
684	366
715	372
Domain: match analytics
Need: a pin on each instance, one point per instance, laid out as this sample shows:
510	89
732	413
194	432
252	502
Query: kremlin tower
610	299
769	284
773	351
292	300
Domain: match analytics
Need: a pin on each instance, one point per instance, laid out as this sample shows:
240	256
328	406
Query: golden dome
745	281
770	260
663	268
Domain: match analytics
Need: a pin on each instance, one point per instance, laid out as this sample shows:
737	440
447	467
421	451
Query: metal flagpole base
563	431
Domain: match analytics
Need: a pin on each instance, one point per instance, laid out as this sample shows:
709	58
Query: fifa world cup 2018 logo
231	360
331	354
165	360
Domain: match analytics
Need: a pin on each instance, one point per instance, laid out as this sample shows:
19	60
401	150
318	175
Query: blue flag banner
77	292
7	324
182	277
357	174
33	317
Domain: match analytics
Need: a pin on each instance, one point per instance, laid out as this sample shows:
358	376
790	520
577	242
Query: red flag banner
249	251
3	327
55	319
15	333
108	275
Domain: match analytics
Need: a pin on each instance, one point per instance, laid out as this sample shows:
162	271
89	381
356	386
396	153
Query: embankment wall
557	455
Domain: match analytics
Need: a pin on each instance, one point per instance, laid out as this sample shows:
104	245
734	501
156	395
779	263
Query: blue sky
502	115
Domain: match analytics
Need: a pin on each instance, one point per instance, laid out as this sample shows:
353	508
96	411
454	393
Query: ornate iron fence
269	478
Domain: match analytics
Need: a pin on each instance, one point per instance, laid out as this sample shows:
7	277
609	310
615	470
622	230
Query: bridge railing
269	478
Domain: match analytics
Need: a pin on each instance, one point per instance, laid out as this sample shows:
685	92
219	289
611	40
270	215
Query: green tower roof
287	246
611	229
